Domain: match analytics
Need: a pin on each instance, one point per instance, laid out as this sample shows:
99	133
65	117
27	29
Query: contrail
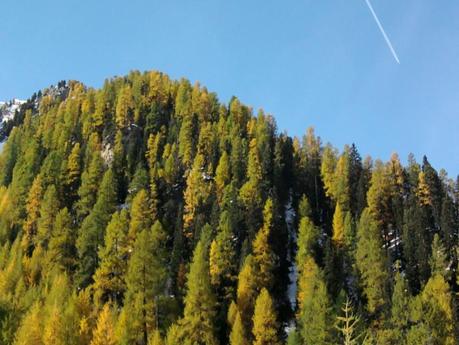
383	32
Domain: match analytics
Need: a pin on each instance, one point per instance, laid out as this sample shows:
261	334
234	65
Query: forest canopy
149	212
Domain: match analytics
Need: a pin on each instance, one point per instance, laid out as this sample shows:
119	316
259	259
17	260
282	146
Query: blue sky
320	63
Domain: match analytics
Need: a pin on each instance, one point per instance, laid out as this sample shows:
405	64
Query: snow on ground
8	109
290	216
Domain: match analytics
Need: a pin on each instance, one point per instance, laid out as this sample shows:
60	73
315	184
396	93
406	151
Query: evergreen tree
145	281
196	326
416	244
400	302
86	174
222	260
109	279
433	311
448	224
438	259
308	237
140	215
48	210
370	262
61	249
89	185
91	233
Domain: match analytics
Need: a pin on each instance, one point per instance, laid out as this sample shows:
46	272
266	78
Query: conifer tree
342	184
48	210
99	114
145	281
304	208
124	108
327	169
197	326
109	279
73	173
433	311
400	308
196	194
263	256
140	215
251	193
293	338
54	328
33	214
91	234
338	225
61	249
247	290
416	244
238	159
307	241
156	339
222	260
438	259
186	147
370	262
30	330
222	174
238	336
314	310
89	185
378	196
448	224
265	324
104	334
347	325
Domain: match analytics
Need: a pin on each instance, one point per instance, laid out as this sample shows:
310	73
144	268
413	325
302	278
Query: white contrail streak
382	31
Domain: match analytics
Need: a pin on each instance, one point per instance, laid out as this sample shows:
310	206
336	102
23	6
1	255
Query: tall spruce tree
370	262
92	231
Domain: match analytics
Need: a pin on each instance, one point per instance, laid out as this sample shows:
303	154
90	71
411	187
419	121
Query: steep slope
150	210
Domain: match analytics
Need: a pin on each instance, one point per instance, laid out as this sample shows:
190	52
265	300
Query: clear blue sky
308	62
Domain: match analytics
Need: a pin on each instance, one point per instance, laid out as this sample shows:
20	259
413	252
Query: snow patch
290	216
8	109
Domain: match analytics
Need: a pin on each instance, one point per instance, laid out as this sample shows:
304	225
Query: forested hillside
149	212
